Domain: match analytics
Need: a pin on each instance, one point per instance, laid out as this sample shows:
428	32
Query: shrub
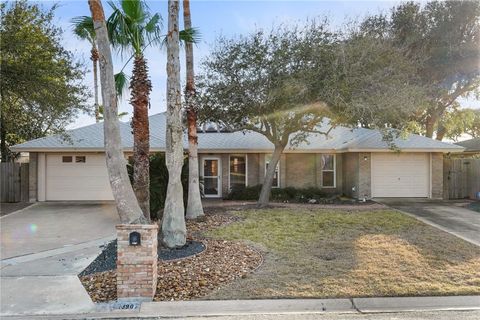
159	183
244	193
288	194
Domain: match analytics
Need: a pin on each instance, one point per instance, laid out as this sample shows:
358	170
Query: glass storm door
211	177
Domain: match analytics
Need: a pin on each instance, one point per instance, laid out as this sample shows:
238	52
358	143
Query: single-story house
472	147
356	162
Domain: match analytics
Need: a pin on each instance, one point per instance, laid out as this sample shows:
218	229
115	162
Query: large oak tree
40	82
283	83
442	40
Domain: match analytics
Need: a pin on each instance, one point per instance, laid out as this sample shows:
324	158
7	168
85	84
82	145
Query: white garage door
400	174
77	177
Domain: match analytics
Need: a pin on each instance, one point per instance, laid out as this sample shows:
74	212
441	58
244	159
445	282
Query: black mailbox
135	239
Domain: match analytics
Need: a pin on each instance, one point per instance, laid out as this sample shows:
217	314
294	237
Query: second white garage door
77	177
400	175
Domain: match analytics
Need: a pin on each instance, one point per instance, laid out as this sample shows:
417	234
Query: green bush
244	193
288	194
159	183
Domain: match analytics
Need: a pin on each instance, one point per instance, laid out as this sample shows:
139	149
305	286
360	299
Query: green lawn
338	253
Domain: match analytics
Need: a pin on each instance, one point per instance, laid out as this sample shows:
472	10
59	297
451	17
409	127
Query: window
66	159
238	172
80	159
328	170
276	178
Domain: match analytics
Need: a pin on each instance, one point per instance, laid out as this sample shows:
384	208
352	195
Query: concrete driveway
43	248
447	215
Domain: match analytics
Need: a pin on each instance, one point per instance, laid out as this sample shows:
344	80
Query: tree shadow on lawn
337	253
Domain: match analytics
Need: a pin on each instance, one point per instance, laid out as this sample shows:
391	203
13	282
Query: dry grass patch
339	253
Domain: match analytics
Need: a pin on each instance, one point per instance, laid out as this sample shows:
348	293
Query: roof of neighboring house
340	139
472	145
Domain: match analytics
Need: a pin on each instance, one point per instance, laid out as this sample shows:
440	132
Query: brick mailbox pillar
136	261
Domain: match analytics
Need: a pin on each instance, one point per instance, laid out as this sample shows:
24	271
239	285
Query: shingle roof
472	145
339	139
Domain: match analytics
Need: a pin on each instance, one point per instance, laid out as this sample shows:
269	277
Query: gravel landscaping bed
107	259
211	264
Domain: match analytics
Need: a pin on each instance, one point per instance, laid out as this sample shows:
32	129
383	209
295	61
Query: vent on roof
210	127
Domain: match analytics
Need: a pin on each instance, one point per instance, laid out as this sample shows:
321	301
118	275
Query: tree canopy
40	82
442	41
283	83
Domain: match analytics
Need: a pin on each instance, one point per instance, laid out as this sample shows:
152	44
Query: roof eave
443	150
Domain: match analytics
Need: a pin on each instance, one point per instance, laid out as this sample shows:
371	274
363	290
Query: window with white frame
328	170
276	176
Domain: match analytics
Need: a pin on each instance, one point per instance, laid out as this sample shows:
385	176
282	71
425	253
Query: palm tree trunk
140	87
264	198
194	204
173	224
94	59
126	203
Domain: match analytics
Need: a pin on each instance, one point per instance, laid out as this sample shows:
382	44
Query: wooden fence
461	178
13	182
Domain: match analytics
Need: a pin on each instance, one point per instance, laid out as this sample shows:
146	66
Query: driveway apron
43	248
449	216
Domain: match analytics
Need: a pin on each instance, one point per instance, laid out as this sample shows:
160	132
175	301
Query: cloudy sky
212	18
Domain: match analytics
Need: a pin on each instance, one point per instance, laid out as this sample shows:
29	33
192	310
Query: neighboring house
355	162
472	147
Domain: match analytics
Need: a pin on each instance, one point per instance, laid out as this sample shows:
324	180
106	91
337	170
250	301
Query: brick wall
137	265
364	175
350	174
253	169
437	175
300	170
32	177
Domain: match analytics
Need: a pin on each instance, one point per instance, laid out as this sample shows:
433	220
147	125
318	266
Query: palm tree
84	30
173	222
132	28
194	204
127	206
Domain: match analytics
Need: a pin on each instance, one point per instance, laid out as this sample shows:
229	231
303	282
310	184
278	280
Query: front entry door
212	186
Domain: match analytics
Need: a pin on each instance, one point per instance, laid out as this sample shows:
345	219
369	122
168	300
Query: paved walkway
44	247
449	216
376	308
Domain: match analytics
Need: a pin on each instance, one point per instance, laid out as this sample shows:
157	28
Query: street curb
211	308
244	307
406	304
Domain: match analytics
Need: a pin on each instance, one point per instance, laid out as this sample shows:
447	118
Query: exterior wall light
365	158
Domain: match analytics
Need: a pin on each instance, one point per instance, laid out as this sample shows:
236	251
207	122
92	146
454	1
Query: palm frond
118	30
135	10
83	28
121	83
153	29
131	27
191	35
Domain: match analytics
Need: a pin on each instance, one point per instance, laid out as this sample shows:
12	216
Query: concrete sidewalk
245	308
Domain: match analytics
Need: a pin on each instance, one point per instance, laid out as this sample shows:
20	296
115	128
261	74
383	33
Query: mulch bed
182	279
